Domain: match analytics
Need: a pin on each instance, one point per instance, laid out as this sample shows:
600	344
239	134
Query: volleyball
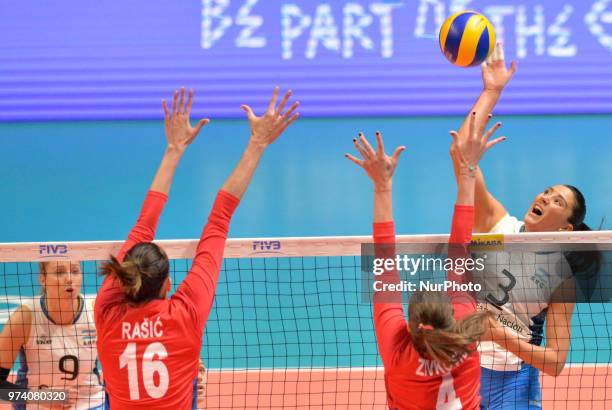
467	38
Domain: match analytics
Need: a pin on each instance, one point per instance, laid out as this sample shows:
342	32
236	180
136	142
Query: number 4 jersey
414	382
62	356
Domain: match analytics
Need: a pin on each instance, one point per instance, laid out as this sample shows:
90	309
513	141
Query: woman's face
62	280
551	210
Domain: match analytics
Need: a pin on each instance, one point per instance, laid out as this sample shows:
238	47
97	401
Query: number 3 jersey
62	356
518	288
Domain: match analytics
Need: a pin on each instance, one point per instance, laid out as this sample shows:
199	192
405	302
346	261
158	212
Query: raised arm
179	135
388	311
198	288
495	77
264	131
469	151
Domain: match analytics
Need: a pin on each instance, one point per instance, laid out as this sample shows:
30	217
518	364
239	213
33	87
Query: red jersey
150	352
413	382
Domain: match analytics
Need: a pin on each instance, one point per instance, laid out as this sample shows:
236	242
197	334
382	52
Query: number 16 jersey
150	352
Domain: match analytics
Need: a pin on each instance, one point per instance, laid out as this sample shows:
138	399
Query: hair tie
425	327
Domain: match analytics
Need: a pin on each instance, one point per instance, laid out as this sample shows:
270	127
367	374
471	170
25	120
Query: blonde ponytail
434	332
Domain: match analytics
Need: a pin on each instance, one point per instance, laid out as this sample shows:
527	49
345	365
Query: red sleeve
389	317
458	247
463	222
146	225
198	289
143	231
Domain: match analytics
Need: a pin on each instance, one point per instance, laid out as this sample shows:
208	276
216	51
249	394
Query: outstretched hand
471	149
267	128
495	74
179	132
378	165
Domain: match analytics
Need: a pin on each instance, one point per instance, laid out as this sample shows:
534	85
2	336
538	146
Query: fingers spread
201	124
498	52
293	118
166	114
249	111
293	107
281	106
366	144
189	102
455	136
174	102
288	123
397	152
494	142
273	100
489	59
513	67
182	100
354	159
494	128
361	150
380	147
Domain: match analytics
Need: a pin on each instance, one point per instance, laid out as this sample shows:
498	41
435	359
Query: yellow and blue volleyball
467	38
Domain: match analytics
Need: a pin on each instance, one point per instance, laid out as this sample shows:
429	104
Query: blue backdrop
87	180
112	59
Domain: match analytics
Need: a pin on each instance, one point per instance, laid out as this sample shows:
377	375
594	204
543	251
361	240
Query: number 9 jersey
62	356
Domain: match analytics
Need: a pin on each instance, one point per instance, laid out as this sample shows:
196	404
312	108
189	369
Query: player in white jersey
524	293
55	338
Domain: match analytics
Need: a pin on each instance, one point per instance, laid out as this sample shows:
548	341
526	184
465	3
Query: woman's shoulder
508	224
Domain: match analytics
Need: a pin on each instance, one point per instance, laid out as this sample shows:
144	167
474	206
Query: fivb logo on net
50	250
263	246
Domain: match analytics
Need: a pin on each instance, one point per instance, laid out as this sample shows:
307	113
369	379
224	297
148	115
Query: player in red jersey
150	345
430	362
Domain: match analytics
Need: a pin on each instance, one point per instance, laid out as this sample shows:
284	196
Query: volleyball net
291	326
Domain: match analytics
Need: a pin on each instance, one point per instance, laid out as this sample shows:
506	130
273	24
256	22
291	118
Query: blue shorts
510	390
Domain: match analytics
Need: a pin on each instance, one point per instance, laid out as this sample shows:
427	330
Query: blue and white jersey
62	356
518	288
